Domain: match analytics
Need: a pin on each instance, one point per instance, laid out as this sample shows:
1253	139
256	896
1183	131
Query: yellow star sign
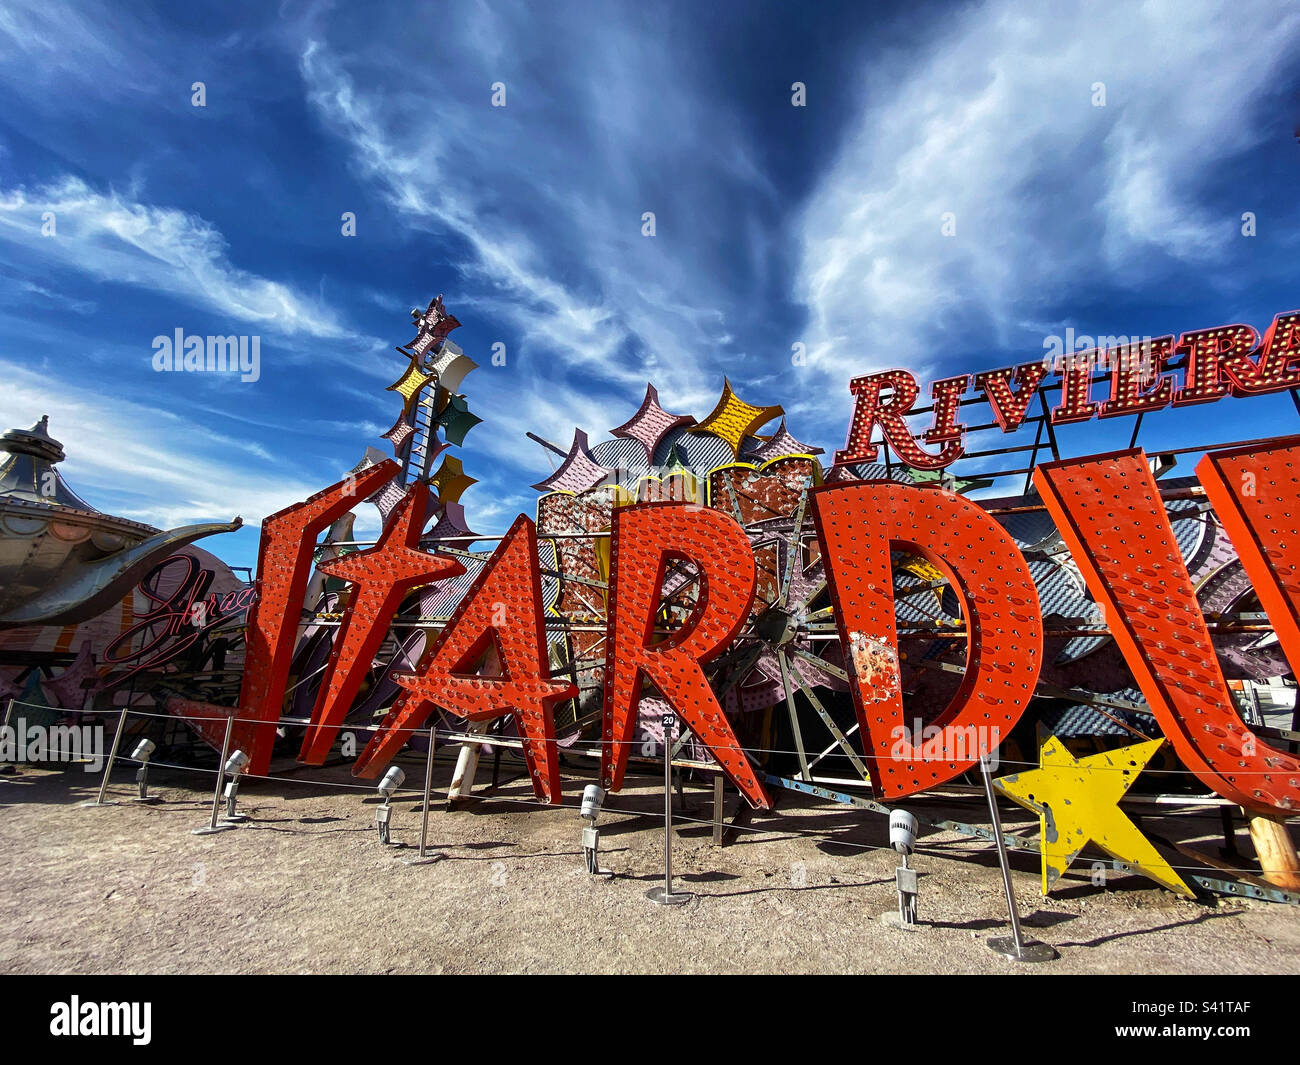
733	419
1077	801
408	386
451	480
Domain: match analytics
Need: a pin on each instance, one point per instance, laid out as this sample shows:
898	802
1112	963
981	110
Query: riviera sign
1230	360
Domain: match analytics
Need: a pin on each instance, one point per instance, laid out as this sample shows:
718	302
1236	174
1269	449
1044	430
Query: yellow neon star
409	384
451	480
1077	800
733	419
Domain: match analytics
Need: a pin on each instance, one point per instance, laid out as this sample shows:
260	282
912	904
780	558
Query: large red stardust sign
1107	507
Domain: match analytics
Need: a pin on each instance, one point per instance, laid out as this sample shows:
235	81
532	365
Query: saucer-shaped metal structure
61	560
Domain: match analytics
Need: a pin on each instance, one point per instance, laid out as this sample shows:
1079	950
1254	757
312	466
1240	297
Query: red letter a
503	611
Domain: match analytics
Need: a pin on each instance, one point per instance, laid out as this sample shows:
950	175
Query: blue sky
775	224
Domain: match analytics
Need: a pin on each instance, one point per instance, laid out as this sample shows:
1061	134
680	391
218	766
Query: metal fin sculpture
400	432
450	526
651	423
410	385
451	365
781	443
451	480
578	472
431	327
456	420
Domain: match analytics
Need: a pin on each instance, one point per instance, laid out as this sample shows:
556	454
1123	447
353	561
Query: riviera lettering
1143	376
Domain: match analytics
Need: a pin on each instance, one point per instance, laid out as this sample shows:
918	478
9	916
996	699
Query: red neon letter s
858	524
645	538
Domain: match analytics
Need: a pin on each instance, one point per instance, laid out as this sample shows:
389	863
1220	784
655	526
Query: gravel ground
305	887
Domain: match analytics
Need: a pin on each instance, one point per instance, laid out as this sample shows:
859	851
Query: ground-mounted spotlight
234	767
234	763
902	837
141	754
592	797
391	781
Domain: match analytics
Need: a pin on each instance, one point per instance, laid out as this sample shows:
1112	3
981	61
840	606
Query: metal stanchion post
422	858
665	895
216	794
108	767
1014	946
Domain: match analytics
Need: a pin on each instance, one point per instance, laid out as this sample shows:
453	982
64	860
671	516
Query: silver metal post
664	895
216	794
108	767
668	818
422	858
1014	947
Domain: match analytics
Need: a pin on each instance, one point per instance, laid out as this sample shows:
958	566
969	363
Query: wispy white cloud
113	238
994	122
48	46
551	221
149	464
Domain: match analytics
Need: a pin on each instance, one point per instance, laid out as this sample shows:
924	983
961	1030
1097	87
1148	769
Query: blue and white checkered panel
1061	592
1192	529
1069	720
908	609
878	471
619	453
700	451
1033	528
450	592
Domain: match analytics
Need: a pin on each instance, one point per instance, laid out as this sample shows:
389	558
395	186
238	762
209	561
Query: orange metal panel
1256	495
283	567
